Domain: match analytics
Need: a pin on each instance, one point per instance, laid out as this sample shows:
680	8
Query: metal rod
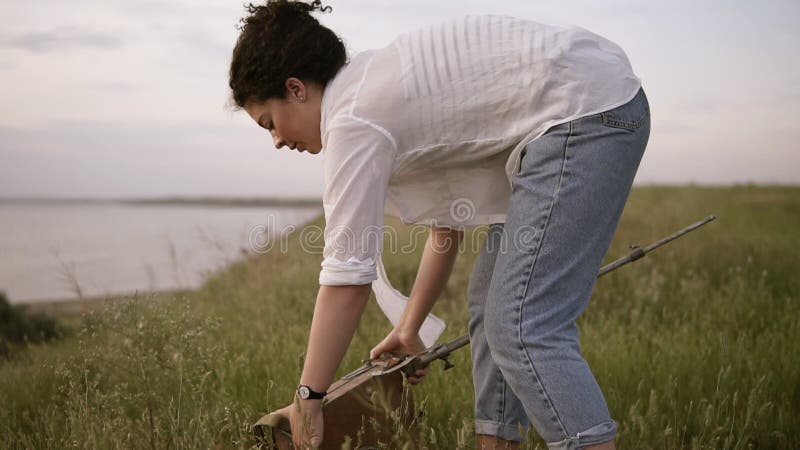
638	252
442	350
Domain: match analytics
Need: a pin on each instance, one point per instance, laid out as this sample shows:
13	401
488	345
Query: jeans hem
597	434
509	432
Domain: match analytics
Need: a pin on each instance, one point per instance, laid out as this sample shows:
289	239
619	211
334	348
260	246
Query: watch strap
306	393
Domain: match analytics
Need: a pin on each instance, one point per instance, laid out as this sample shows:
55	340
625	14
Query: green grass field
695	346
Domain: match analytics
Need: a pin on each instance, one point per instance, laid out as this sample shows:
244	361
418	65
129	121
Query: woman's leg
498	413
565	205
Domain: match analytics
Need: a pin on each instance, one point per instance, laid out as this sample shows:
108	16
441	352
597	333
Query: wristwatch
306	393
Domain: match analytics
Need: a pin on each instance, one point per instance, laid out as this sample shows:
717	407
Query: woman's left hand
401	343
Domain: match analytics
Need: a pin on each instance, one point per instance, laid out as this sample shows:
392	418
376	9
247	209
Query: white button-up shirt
430	128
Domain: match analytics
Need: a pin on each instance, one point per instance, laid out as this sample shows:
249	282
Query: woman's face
294	120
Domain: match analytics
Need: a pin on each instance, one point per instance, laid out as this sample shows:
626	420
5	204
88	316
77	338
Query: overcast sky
111	98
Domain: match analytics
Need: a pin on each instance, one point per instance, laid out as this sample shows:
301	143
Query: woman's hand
401	343
305	417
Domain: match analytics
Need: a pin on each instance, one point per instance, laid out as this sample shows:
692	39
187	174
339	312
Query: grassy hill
696	346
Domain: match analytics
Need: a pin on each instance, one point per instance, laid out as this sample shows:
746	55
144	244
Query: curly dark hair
279	40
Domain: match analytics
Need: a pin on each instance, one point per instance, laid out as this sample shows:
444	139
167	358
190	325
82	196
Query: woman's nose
277	140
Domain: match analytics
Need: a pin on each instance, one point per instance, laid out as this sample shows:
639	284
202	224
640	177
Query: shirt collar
327	94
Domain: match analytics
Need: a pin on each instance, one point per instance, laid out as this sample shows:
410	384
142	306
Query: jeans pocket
629	116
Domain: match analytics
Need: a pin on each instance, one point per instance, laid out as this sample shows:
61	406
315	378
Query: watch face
304	393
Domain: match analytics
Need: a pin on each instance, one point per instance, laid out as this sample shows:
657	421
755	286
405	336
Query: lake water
51	251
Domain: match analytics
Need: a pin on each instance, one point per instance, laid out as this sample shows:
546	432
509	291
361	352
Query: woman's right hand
401	343
306	422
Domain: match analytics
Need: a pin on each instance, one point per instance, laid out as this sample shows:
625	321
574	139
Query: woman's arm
437	261
336	316
434	270
339	308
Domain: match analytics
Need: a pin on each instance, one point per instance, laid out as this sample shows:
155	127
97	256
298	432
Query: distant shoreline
66	308
236	202
303	202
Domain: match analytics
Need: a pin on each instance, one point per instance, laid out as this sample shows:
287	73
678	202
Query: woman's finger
376	352
378	349
418	375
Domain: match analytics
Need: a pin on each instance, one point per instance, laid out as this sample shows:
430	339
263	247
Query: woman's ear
295	90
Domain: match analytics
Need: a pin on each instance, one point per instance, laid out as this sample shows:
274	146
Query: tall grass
695	346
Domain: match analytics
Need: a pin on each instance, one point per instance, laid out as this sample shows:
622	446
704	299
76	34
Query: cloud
64	38
6	65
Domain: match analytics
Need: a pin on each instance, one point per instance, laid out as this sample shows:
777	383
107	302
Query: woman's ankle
604	446
487	442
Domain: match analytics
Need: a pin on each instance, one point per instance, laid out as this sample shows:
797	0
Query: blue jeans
534	276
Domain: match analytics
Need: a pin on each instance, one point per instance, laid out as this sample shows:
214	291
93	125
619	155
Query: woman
536	130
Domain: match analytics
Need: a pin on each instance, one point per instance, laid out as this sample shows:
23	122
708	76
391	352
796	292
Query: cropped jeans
535	273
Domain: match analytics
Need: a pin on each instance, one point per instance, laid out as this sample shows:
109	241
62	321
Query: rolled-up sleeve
357	167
